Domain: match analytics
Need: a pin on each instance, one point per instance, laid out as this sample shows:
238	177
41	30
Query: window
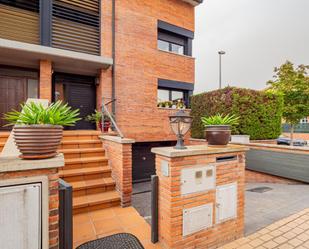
174	39
171	43
173	96
304	121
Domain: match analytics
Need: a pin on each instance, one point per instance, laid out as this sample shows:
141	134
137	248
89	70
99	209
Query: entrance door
80	93
13	92
143	159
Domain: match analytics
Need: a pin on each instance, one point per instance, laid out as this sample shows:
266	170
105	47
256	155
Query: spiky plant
35	113
220	119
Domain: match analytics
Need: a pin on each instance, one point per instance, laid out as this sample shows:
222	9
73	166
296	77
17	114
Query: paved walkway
101	223
288	233
261	209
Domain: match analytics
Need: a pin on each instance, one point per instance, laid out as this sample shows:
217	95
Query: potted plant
96	118
38	130
218	128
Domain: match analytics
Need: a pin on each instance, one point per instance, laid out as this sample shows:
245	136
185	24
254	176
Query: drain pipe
113	54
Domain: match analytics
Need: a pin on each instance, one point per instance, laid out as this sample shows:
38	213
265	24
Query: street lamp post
220	68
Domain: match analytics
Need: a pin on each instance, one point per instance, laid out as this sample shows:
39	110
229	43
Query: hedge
260	112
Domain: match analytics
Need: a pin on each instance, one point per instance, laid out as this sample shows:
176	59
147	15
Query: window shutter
76	25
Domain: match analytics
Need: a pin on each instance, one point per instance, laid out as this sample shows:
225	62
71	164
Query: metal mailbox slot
198	179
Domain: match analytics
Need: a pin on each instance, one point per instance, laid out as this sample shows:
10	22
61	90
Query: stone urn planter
218	134
37	141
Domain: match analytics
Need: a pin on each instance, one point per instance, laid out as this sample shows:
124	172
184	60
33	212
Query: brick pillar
119	154
19	171
46	80
189	181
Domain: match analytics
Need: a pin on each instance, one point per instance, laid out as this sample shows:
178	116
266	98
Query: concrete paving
261	209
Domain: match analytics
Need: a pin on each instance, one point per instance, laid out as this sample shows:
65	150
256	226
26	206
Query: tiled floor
101	223
288	233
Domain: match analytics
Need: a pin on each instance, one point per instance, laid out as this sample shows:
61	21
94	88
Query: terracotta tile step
99	159
92	183
95	199
64	172
81	132
76	144
82	152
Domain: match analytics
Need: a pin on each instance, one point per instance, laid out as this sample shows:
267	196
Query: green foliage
259	112
293	84
96	117
220	119
34	113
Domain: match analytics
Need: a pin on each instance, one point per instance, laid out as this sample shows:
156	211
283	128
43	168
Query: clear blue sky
257	35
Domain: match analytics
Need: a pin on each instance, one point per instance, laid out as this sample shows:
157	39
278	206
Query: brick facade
45	82
258	177
119	153
53	178
139	64
172	203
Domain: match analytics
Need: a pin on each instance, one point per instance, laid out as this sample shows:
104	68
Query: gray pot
218	134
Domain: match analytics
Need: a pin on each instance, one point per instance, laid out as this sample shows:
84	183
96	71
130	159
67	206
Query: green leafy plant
35	113
293	84
220	119
259	112
96	117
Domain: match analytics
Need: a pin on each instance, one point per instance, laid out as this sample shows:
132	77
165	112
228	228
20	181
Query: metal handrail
105	110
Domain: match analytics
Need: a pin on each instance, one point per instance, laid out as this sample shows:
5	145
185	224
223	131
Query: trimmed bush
260	112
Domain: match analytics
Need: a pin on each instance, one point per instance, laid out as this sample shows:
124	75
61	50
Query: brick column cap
117	139
9	164
196	150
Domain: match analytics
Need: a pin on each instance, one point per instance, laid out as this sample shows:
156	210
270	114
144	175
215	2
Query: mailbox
198	179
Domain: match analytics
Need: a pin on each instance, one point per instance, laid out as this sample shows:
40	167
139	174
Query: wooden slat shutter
76	25
19	24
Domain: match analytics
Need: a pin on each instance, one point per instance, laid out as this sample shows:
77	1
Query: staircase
3	137
86	169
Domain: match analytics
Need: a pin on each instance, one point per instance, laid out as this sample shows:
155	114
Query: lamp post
180	124
220	68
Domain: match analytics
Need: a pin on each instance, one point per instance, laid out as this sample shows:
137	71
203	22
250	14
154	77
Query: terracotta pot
218	134
37	141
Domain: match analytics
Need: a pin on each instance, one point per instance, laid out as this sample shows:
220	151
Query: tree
293	83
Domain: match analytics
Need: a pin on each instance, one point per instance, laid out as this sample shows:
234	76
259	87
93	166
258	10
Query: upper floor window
174	39
304	121
170	43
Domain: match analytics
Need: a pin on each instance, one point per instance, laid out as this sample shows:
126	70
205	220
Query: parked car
287	141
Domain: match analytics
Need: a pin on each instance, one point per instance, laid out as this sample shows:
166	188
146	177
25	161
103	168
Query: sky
256	35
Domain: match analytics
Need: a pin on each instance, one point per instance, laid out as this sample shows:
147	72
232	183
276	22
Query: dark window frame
171	85
176	35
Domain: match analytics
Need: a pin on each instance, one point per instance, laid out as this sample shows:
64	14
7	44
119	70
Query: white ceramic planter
241	139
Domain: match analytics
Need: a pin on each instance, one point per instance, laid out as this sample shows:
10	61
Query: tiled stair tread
81	132
4	134
83	171
77	141
95	199
92	183
86	160
81	150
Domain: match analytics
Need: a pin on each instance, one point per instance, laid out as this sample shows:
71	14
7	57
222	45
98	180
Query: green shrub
259	112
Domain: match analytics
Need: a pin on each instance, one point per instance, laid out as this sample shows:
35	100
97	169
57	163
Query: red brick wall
45	80
171	202
120	160
258	177
139	64
53	198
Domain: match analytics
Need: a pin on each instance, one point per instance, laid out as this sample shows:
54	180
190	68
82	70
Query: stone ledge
9	164
275	146
117	139
195	150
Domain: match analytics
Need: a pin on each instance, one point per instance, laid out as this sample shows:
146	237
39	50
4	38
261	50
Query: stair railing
106	111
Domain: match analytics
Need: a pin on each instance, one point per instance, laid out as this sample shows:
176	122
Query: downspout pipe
113	54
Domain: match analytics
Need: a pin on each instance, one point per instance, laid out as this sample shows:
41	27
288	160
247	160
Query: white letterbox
197	218
198	179
226	202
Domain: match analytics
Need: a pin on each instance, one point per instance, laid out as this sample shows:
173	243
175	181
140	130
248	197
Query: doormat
260	189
